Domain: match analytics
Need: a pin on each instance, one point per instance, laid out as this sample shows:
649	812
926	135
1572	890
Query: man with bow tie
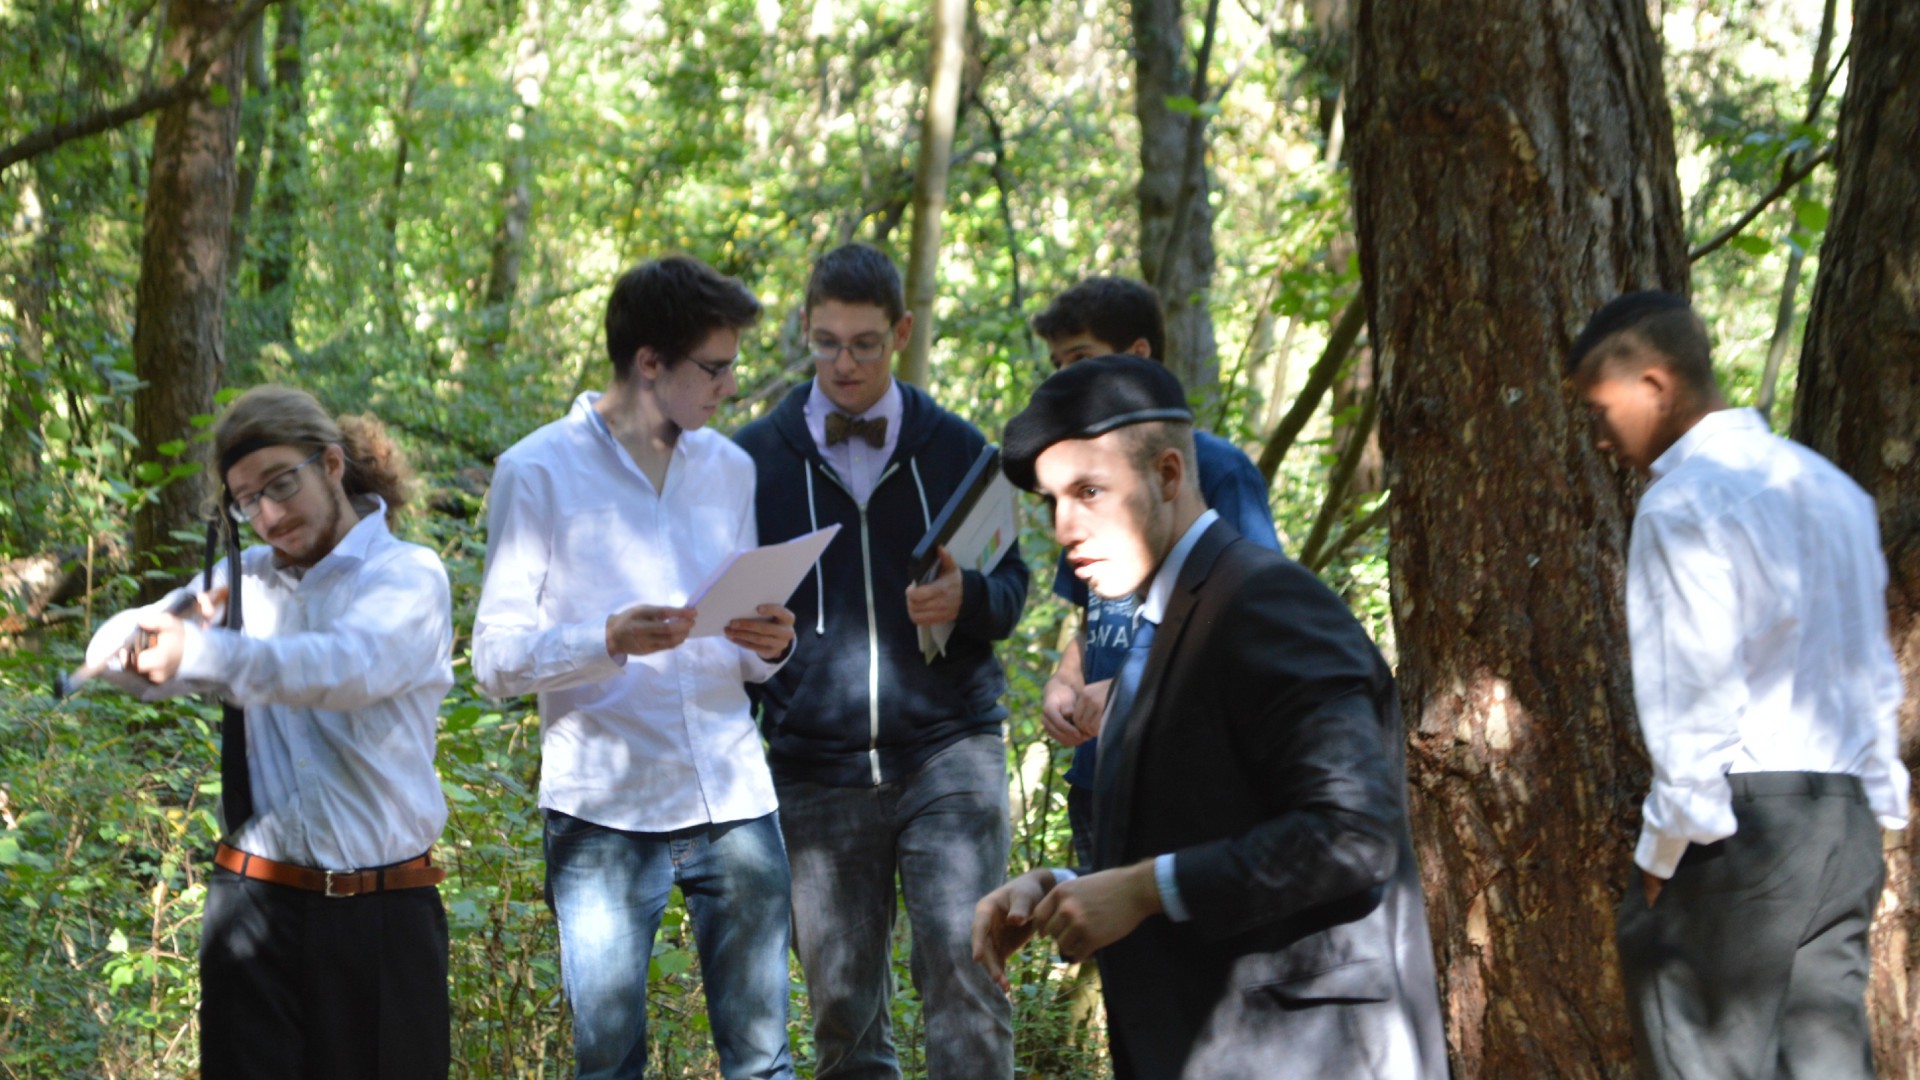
885	763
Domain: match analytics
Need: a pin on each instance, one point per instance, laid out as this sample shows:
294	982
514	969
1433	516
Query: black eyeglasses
714	368
281	488
827	350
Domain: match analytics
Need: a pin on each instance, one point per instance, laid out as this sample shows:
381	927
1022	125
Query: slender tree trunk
1176	244
256	116
527	78
1859	404
1513	169
180	311
34	285
393	297
282	240
945	64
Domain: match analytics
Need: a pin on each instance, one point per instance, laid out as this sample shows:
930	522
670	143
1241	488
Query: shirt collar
888	407
1160	592
1714	423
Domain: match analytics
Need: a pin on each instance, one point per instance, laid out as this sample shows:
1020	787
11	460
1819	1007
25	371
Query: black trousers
299	984
1753	961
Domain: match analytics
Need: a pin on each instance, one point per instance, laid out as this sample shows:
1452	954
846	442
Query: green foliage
753	134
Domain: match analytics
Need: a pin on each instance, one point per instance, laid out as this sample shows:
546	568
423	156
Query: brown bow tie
840	427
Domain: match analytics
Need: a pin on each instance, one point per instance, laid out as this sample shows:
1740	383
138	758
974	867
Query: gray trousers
944	831
1753	961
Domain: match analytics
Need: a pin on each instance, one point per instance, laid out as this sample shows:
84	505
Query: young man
599	527
1253	899
323	950
885	762
1767	693
1098	317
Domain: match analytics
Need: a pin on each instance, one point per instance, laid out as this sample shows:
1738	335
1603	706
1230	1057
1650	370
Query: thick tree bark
179	315
1176	244
281	239
945	63
1513	169
1859	404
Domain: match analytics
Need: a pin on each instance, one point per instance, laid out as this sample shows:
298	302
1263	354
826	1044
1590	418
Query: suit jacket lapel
1115	806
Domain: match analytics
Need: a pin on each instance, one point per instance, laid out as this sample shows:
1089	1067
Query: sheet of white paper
980	542
747	579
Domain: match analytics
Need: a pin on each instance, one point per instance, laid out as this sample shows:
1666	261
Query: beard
321	540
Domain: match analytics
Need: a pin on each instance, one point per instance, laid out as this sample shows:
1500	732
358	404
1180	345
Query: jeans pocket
562	827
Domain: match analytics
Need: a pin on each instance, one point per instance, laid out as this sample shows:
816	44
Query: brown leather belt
417	873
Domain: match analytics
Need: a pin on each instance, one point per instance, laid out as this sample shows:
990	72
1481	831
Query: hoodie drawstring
819	576
926	518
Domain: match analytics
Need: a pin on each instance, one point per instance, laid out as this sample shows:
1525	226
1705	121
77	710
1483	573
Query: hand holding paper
768	636
647	628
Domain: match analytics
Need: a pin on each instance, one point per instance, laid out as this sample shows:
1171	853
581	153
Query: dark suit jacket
1264	748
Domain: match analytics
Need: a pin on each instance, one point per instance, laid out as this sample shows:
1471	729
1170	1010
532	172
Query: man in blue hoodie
884	762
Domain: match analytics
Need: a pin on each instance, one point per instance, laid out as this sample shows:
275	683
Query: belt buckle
329	884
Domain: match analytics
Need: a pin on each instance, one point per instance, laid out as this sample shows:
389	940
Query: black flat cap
1086	400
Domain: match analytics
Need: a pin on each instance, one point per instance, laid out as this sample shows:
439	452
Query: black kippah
1086	400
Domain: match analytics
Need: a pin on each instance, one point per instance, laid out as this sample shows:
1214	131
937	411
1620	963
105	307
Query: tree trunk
527	78
946	62
1176	246
393	296
282	240
180	311
1859	404
1513	169
256	113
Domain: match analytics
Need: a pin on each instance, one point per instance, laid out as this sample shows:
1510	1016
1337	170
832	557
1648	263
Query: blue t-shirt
1232	485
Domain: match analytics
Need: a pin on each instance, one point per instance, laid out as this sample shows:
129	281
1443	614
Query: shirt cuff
1169	886
586	644
1062	875
202	655
1659	854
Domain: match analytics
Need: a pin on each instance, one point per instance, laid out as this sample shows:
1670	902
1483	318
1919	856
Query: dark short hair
1118	311
1661	321
858	274
670	305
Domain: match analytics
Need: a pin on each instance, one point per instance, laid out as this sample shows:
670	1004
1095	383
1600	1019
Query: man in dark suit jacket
1253	902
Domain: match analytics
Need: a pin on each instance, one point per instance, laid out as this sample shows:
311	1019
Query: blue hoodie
857	704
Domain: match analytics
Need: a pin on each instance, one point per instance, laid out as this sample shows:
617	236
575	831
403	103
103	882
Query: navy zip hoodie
857	704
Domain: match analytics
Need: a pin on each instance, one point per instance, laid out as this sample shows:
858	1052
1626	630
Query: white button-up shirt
858	462
341	670
575	533
1756	609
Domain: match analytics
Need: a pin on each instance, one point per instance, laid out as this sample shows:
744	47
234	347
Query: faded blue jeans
608	889
944	829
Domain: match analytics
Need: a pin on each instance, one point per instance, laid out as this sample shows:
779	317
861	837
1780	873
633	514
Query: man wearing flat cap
1253	900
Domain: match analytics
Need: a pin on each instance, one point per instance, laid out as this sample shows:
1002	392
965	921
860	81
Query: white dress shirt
1756	610
575	533
858	462
341	670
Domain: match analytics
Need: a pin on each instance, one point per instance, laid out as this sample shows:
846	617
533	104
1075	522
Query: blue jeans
944	829
608	889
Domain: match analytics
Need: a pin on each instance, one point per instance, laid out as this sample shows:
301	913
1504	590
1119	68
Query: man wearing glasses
886	763
324	945
599	526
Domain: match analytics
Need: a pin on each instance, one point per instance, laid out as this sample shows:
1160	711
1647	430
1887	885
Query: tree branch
1319	379
1787	182
187	85
1351	533
1341	479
